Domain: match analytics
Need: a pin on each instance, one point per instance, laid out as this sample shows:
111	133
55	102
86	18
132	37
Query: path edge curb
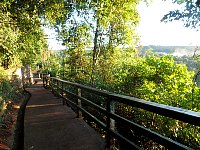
18	141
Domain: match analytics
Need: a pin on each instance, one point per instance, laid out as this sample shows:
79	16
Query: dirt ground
8	123
8	126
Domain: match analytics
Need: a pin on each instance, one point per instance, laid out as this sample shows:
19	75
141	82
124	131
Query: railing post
110	108
46	81
52	85
63	100
43	81
56	85
59	91
79	113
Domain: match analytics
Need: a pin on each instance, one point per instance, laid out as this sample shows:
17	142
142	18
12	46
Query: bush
8	91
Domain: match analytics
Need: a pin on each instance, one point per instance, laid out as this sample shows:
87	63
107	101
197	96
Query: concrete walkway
51	126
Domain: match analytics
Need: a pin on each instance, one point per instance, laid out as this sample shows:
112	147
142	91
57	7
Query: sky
52	42
154	32
151	30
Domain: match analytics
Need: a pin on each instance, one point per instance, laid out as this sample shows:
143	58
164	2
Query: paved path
51	126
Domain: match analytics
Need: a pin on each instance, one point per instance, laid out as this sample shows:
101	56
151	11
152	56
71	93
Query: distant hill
167	50
173	50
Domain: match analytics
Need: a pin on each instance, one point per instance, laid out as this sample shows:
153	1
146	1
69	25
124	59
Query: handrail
184	115
187	116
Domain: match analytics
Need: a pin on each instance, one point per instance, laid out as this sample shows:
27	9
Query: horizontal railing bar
70	101
147	132
60	88
120	137
54	89
66	91
103	110
94	90
161	109
114	134
87	113
93	117
184	115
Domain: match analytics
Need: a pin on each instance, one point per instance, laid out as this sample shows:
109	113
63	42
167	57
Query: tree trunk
94	57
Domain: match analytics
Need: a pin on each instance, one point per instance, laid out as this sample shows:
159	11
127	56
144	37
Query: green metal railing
58	87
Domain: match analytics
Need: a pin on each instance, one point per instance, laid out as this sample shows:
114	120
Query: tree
22	37
9	34
76	61
190	15
52	63
110	24
160	80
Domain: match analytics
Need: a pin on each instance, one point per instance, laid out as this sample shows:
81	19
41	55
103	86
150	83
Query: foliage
22	38
160	80
153	78
76	57
9	35
98	27
7	90
102	51
189	14
52	64
157	79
